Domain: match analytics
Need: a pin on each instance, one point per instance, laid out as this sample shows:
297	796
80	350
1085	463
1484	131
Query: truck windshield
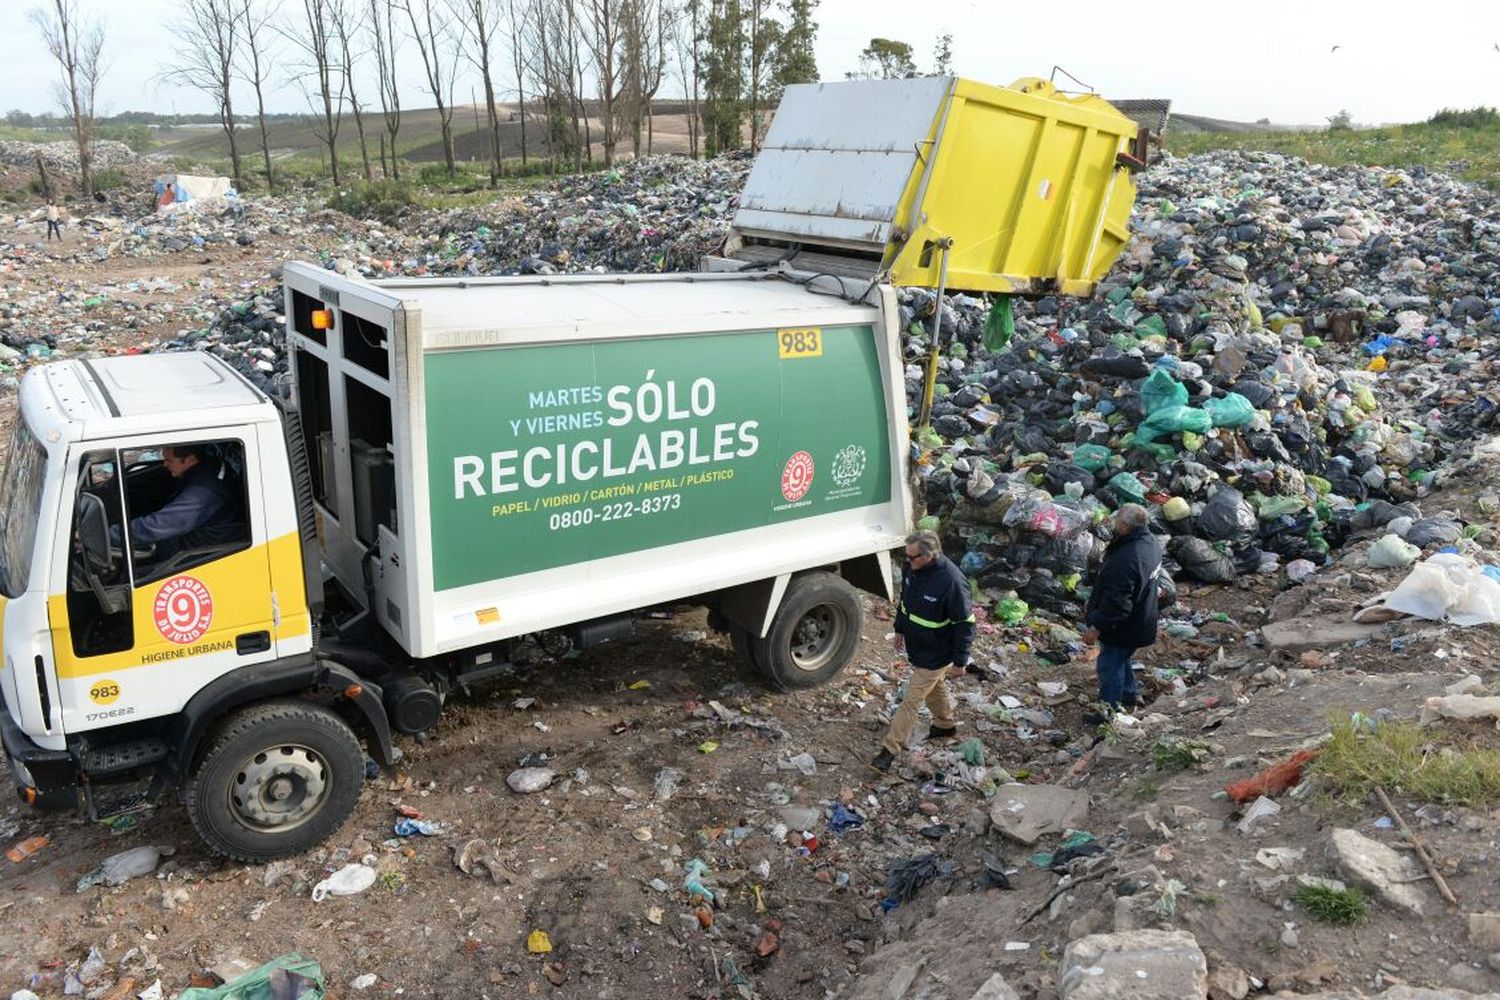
20	506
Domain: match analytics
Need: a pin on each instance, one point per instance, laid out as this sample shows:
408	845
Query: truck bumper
47	779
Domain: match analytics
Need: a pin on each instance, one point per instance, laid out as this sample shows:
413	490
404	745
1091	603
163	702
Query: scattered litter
538	943
1274	780
412	827
349	880
526	780
1261	808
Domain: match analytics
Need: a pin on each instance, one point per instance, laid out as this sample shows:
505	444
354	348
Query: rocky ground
666	752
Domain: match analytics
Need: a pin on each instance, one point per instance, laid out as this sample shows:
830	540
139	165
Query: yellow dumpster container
1032	186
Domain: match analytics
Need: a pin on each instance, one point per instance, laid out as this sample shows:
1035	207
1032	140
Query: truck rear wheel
813	634
275	780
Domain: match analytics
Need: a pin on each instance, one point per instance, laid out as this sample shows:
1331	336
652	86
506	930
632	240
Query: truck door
165	575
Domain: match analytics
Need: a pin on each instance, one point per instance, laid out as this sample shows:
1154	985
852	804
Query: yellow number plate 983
807	343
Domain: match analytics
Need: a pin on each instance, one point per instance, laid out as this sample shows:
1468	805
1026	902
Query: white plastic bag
349	880
1448	587
1391	552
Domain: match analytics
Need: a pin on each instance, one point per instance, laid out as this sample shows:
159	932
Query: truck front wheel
813	634
275	780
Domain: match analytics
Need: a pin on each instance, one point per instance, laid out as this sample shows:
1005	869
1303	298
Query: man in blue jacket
1121	614
208	508
934	628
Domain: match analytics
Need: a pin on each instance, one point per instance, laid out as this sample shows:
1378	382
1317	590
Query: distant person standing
935	629
1122	611
54	220
168	195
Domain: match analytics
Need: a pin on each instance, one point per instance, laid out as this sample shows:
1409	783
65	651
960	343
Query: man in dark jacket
208	508
1121	613
934	628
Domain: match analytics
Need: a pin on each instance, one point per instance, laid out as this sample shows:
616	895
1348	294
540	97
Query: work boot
883	760
941	733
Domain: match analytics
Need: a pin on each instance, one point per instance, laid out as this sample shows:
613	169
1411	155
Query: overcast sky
1395	61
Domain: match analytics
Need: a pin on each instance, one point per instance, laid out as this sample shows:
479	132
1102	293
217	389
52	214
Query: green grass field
1472	153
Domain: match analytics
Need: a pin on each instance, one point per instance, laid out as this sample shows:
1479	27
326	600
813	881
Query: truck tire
275	780
813	634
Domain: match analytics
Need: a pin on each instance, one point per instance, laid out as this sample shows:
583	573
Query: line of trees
583	74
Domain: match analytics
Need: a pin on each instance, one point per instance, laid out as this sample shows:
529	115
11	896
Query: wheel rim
817	636
279	788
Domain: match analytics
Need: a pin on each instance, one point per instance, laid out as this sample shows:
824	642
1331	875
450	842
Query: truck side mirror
91	528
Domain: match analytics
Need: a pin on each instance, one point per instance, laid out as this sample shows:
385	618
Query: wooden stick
1437	876
1068	883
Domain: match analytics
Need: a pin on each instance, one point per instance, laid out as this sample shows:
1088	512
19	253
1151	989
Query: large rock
1134	965
1378	868
1027	812
1301	634
995	988
1484	930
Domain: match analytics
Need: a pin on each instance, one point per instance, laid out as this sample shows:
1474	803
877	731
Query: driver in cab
206	510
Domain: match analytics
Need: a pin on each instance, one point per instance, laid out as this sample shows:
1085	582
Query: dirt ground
579	859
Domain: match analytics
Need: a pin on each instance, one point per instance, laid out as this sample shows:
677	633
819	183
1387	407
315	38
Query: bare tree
343	14
605	40
517	33
440	52
577	86
480	20
208	37
76	44
317	39
656	34
255	67
686	35
386	42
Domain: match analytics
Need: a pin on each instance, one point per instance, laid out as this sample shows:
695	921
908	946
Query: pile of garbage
1285	352
63	154
655	214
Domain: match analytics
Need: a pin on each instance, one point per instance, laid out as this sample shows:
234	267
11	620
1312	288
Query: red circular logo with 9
184	609
797	477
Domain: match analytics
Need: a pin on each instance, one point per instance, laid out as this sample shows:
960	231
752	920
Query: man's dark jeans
1116	682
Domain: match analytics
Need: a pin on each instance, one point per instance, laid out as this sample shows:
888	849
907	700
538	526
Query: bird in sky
1334	49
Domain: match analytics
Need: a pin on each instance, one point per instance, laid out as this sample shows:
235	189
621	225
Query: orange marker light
322	319
353	691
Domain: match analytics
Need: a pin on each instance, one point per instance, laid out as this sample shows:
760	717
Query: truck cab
125	637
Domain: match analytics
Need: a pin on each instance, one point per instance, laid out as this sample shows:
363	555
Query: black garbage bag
1059	474
1124	366
1434	531
1063	556
1246	557
1227	517
1380	513
1202	561
1044	590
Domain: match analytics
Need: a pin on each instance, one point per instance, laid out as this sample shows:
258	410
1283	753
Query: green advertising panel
553	455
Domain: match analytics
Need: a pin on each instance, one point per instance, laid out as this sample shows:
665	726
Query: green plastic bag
1012	611
1161	390
1233	410
1093	457
290	977
1273	507
999	325
1128	488
1173	420
1151	326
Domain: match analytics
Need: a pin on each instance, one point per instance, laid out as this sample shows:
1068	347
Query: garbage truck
246	596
